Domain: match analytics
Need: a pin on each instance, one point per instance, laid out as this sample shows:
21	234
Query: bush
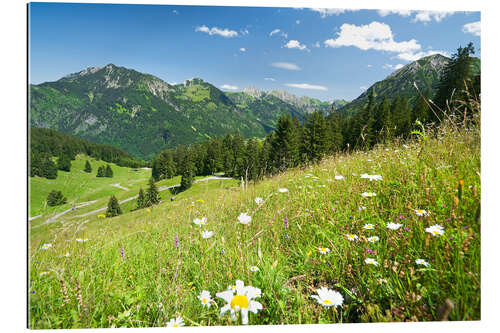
113	207
56	198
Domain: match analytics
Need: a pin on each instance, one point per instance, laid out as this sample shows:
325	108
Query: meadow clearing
390	234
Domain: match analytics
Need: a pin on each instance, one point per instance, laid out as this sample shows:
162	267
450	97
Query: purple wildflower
286	236
176	241
448	219
285	221
222	251
175	276
350	217
370	251
407	229
333	209
32	291
122	252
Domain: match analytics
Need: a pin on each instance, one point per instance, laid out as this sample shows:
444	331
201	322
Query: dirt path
121	187
55	217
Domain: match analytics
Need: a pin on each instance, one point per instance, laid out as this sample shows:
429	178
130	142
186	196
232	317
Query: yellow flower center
203	300
435	232
175	325
327	301
420	211
239	300
323	249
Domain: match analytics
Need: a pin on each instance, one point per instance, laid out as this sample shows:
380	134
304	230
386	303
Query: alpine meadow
234	199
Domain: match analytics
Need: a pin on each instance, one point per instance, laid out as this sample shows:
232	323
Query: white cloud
244	32
175	12
242	49
472	28
298	21
427	16
363	87
284	34
216	31
306	86
295	44
229	87
286	65
275	31
398	66
395	67
412	56
269	79
385	12
375	36
317	44
324	12
369	65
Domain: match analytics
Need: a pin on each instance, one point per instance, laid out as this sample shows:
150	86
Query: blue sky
327	54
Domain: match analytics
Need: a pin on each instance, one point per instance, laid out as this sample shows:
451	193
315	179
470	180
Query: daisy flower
368	194
339	177
435	230
241	301
259	201
176	322
254	269
394	226
46	246
328	297
371	261
362	208
201	221
205	298
371	177
323	250
368	227
244	218
373	239
66	255
421	262
351	237
81	240
282	190
420	212
207	234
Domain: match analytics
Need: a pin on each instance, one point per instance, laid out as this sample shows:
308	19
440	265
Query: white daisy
176	322
421	262
323	250
81	240
328	297
259	201
46	246
371	261
435	230
368	194
371	177
200	222
362	208
205	298
244	218
420	212
340	177
368	227
394	226
241	302
66	255
351	237
373	239
282	190
207	234
254	269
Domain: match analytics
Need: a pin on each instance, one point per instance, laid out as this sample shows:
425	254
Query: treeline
293	143
45	144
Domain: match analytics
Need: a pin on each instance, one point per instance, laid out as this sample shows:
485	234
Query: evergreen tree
284	144
55	198
49	169
315	137
101	171
64	163
113	207
336	139
141	199
88	167
152	197
187	173
108	172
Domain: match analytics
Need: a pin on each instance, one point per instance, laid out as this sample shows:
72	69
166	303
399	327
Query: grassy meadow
145	267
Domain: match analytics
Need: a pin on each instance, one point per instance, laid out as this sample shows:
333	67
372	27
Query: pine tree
49	169
315	137
284	144
88	167
101	171
108	172
336	139
55	198
152	197
64	163
141	198
113	207
187	173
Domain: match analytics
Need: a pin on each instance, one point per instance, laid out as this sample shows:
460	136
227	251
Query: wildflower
259	201
435	230
362	208
351	237
44	273
406	229
371	261
287	236
205	298
322	250
371	177
176	322
101	216
285	221
46	246
282	190
241	302
381	281
176	241
122	252
373	239
420	212
200	222
328	297
207	234
222	251
368	227
81	240
368	194
339	177
66	255
244	218
254	269
310	252
421	262
394	226
370	251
